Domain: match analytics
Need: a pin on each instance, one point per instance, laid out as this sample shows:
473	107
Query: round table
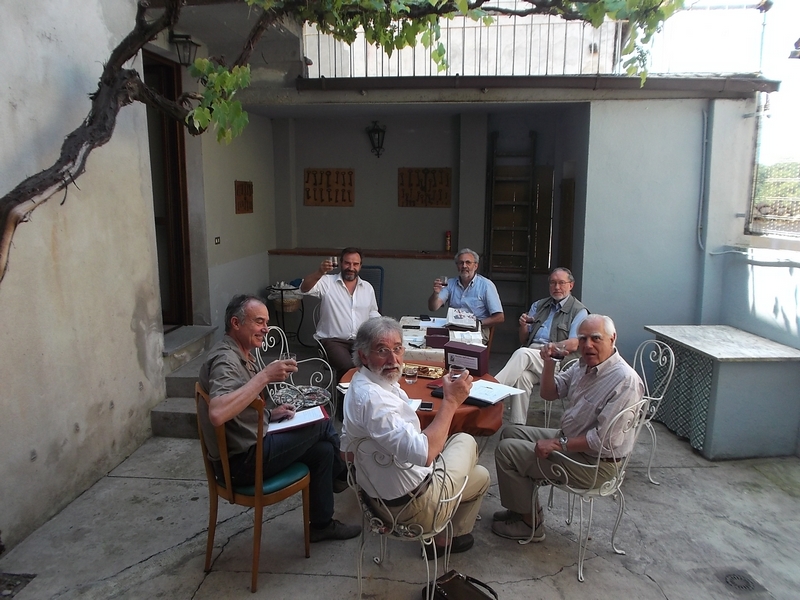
477	420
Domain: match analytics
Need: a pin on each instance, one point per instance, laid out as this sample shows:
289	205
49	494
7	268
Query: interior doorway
167	166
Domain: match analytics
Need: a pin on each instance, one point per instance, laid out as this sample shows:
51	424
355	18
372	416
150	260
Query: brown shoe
518	530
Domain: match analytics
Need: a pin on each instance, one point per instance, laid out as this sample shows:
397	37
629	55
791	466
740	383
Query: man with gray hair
552	319
597	388
230	378
469	290
398	462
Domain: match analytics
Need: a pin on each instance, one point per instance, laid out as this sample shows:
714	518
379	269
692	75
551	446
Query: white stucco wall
240	263
80	319
640	259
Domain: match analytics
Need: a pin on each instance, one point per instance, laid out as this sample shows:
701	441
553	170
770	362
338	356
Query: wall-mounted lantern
376	134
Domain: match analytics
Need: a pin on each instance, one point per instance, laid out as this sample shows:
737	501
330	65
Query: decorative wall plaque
329	187
243	191
424	187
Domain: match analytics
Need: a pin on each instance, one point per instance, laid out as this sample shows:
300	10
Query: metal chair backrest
379	519
654	361
628	422
314	371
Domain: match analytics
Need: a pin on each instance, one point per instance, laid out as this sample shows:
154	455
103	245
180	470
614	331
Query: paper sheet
300	419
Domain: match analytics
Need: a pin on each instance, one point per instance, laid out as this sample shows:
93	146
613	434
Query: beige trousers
460	458
523	370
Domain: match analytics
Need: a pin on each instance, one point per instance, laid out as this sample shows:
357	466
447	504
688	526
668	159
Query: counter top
725	343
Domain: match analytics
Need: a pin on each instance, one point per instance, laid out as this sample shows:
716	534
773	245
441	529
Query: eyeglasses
559	283
385	352
464	262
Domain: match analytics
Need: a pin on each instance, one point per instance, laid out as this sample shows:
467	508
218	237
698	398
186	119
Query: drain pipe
702	200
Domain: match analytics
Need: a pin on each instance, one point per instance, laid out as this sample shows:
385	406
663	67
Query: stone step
175	417
184	344
180	383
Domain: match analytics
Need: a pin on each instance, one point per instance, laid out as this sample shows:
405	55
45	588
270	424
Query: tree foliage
389	24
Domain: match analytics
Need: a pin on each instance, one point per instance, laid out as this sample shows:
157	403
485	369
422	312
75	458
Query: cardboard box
474	358
436	337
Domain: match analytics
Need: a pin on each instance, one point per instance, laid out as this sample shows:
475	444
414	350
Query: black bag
455	586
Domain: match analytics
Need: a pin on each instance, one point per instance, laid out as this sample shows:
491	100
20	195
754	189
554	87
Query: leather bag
456	586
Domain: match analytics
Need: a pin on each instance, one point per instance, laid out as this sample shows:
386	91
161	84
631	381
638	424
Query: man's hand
278	370
326	266
525	319
282	412
545	447
437	286
458	390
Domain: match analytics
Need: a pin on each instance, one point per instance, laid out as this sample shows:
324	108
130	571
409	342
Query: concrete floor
140	532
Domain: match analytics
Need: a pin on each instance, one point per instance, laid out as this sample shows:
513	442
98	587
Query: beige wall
240	263
80	319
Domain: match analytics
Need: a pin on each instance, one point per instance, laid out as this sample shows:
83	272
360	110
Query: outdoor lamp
185	47
376	134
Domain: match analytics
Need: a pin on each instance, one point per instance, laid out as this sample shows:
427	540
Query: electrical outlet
216	241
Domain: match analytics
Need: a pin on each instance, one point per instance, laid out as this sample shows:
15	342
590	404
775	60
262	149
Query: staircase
184	353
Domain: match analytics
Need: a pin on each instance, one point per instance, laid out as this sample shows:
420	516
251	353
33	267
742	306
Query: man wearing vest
553	319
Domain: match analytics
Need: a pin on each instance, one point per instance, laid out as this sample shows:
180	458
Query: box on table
436	337
474	358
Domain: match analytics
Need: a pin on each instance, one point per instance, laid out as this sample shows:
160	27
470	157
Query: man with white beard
399	462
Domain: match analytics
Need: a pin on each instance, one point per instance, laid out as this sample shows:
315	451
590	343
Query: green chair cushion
291	474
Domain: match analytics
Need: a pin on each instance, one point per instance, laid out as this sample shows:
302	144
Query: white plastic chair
379	519
630	421
655	362
313	371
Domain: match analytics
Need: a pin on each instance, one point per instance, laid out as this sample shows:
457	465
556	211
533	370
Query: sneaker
339	486
506	515
336	530
461	543
518	530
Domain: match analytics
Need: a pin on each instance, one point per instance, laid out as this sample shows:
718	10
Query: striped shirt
594	397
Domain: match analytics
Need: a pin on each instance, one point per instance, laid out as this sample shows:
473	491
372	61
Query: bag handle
485	586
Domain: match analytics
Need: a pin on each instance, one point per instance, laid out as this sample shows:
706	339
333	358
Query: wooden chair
291	480
396	528
630	421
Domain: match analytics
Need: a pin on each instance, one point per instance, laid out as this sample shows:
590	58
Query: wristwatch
563	440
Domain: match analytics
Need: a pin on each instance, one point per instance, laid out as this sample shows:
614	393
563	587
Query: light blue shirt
480	296
543	335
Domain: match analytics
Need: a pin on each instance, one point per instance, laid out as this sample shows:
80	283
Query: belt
614	460
404	499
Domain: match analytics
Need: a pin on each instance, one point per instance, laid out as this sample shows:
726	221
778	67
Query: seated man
469	291
413	471
346	301
552	319
597	389
230	378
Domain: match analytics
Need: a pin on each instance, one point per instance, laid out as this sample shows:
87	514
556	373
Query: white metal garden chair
377	518
630	422
655	362
303	387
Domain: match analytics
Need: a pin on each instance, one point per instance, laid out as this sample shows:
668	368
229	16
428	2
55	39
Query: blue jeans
316	446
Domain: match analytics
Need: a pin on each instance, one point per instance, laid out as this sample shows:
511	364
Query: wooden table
734	394
479	421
